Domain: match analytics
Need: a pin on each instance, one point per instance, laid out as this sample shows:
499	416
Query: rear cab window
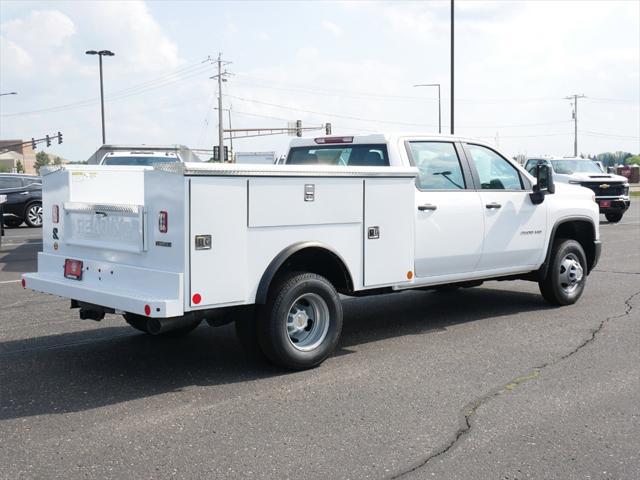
347	155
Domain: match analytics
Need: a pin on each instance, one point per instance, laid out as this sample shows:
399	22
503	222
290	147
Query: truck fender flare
544	268
281	258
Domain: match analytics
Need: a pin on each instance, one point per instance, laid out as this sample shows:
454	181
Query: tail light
55	213
163	222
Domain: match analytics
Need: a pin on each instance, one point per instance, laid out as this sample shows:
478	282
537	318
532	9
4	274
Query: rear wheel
141	323
33	215
567	273
614	217
300	325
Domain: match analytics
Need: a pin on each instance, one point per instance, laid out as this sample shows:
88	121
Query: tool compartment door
218	266
388	230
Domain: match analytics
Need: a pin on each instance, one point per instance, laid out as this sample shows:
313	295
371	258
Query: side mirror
544	185
544	177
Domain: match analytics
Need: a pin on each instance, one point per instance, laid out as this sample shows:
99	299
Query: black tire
322	332
33	215
562	285
614	217
139	322
12	222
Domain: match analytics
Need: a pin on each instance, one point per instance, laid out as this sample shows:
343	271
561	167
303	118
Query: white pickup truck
272	247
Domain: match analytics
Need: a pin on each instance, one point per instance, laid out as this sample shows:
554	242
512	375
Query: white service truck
271	248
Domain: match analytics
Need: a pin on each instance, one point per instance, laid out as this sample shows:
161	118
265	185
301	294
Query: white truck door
449	216
514	226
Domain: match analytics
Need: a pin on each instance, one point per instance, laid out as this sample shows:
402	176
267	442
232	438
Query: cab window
495	172
438	166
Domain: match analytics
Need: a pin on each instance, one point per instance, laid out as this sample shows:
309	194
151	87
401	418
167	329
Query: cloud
332	28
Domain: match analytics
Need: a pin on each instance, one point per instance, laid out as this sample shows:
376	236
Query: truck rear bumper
131	289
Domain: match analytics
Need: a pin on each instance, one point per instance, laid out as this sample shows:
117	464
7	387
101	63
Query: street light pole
100	54
452	38
439	104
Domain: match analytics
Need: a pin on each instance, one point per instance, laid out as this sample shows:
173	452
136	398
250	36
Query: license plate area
605	203
73	269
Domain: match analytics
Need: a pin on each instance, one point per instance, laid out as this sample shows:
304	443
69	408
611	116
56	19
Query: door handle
427	206
24	193
493	205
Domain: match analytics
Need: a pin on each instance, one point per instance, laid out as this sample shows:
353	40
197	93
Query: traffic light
33	143
59	138
327	128
298	128
226	153
48	141
216	153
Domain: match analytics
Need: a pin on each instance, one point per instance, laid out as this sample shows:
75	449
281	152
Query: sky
352	64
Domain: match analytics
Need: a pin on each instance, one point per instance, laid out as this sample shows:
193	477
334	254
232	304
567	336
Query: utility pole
574	103
452	36
221	77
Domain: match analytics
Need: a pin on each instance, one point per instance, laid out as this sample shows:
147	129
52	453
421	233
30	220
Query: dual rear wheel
299	326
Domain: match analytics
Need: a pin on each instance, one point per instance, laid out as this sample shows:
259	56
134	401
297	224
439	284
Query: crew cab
271	247
612	191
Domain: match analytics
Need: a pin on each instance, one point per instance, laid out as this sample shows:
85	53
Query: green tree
19	166
57	161
42	159
635	160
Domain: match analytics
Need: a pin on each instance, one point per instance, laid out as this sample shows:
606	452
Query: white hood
589	177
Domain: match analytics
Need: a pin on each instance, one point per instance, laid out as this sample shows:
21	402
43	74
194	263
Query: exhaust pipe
156	326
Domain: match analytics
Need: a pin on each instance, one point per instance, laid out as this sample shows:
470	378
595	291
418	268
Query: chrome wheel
34	215
571	273
308	322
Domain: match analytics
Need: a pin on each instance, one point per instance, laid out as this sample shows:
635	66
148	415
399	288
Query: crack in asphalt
470	408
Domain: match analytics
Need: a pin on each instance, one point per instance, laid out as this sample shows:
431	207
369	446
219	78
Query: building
12	151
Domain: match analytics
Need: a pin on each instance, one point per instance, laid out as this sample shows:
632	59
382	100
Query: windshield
567	167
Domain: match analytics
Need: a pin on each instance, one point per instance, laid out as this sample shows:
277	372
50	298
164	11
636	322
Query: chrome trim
101	207
226	169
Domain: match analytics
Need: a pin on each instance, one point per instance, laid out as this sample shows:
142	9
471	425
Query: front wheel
567	273
300	325
614	217
33	215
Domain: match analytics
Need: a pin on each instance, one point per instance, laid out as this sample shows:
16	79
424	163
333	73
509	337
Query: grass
635	193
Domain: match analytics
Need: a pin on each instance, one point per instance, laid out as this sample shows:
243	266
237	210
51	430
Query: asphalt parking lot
488	382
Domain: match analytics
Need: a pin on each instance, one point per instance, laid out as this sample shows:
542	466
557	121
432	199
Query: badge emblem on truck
604	185
309	192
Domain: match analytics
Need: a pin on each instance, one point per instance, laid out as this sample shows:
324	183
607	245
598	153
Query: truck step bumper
164	297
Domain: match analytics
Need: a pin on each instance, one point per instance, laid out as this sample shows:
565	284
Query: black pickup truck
24	199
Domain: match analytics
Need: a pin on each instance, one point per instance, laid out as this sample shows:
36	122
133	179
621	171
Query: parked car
272	247
612	191
24	199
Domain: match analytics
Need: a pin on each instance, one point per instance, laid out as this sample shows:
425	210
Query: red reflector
73	269
163	222
147	310
55	214
24	283
196	298
322	140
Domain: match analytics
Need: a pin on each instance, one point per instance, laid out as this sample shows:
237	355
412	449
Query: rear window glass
138	161
352	155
